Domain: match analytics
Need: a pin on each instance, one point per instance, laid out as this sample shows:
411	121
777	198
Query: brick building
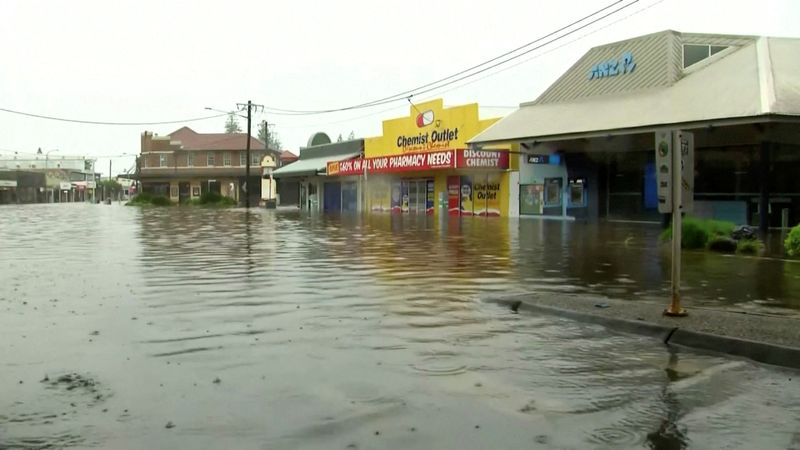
185	164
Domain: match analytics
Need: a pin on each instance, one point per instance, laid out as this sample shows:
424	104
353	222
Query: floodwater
190	328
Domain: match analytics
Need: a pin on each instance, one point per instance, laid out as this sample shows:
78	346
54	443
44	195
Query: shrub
697	232
160	200
148	199
792	242
722	244
749	246
213	199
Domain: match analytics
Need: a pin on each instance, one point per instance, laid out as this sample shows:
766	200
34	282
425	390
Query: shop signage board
553	159
481	159
613	67
8	183
429	126
408	162
396	163
487	195
65	185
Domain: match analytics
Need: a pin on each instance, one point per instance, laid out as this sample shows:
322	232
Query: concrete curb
757	351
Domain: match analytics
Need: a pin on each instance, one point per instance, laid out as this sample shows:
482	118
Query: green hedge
698	232
213	199
148	199
792	242
749	246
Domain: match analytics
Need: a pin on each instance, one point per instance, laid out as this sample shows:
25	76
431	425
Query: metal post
763	204
674	308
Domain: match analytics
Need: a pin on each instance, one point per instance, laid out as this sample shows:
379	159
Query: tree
269	137
112	185
339	139
351	136
232	124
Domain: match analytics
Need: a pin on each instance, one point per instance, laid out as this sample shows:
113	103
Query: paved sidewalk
764	337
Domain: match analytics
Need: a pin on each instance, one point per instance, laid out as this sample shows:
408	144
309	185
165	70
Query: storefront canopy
310	166
756	82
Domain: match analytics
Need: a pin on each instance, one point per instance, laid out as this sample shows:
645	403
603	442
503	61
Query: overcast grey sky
146	61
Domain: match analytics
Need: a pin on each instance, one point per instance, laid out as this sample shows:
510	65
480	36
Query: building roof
316	165
286	155
759	78
192	140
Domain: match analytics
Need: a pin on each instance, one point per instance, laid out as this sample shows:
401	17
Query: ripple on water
616	436
442	364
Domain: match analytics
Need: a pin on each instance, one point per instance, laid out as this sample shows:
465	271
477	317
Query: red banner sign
395	163
482	159
444	159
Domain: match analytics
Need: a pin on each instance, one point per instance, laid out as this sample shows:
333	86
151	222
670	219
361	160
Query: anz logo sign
613	67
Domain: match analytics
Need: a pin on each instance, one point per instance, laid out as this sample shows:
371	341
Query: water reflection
669	436
325	330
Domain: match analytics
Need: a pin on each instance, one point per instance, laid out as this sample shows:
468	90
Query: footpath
767	338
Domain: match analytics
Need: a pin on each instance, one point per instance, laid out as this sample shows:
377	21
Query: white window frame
162	160
189	159
255	159
708	53
226	159
210	159
242	158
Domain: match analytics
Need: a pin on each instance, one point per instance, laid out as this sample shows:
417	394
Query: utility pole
109	180
249	106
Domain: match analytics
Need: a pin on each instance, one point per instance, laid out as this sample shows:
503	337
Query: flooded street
191	328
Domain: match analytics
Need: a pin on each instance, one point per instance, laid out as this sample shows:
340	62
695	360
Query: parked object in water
745	232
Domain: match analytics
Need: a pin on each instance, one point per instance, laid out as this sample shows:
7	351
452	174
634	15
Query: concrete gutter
627	316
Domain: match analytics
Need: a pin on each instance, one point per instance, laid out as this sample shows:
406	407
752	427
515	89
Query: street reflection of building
588	140
420	165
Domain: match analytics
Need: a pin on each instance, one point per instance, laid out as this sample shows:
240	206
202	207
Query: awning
756	81
310	166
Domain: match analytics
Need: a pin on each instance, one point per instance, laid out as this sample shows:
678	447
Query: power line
383	111
439	93
96	122
421	89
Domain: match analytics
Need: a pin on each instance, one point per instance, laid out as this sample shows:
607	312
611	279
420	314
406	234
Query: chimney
147	142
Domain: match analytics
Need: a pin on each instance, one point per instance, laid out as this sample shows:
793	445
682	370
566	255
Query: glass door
412	196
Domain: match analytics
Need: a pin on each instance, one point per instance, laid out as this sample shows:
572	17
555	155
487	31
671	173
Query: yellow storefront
421	165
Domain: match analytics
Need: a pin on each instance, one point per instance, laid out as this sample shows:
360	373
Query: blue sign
554	159
538	159
613	67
